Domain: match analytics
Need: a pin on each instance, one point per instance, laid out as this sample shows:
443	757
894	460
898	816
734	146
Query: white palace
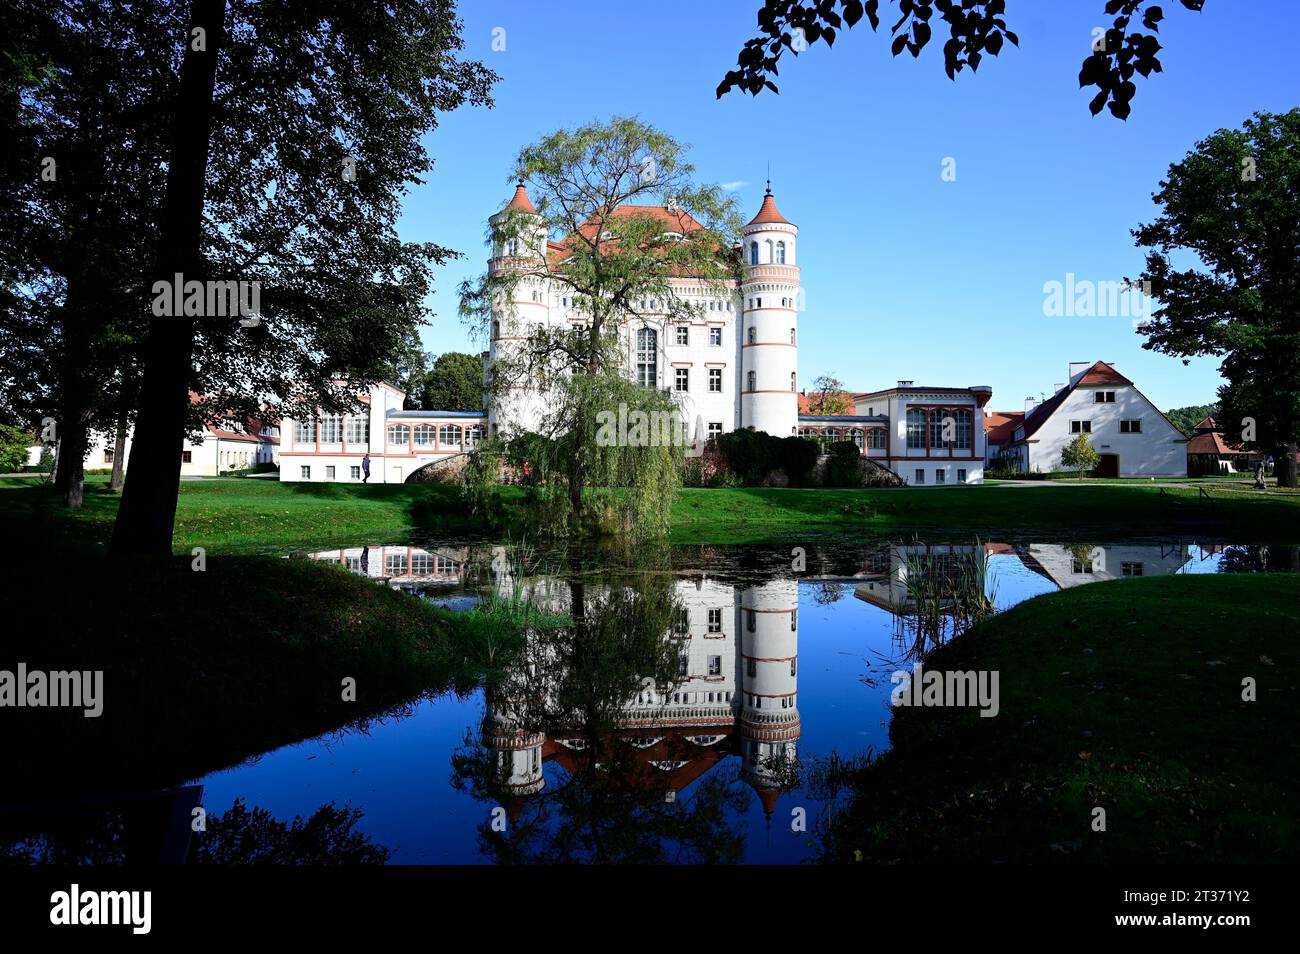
733	365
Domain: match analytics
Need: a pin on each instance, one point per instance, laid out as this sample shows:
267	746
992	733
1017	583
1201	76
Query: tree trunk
1284	466
147	516
119	453
69	480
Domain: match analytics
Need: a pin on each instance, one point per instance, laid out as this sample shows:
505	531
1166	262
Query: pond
678	709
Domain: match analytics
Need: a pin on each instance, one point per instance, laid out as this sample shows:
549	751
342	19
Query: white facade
334	447
209	453
732	364
1130	433
928	436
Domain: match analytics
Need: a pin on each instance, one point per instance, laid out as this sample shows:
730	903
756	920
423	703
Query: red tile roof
1102	373
521	201
1212	442
805	404
768	212
1000	426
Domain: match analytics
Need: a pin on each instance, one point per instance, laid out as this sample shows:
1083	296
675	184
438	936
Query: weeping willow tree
631	245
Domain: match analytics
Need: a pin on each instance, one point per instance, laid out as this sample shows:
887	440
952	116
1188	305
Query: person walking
365	468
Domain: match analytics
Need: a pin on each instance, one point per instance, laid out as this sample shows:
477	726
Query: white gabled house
1130	433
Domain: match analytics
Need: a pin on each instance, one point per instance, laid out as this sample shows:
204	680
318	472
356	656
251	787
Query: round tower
770	297
769	714
519	237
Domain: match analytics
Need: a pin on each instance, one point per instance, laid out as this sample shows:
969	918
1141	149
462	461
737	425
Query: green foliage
751	456
1079	455
1230	203
480	478
14	442
241	837
454	383
1186	418
975	28
844	469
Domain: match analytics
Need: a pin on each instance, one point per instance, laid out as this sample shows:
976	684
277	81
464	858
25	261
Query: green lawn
257	515
205	669
1125	695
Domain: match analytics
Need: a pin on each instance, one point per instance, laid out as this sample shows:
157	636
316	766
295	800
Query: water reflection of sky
398	772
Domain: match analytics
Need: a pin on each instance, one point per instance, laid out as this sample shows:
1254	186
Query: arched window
876	438
647	357
792	341
753	334
856	436
768	250
752	379
780	253
915	428
449	435
399	434
425	435
496	329
792	381
753	253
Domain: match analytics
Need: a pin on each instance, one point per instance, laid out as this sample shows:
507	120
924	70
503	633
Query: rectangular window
715	621
354	472
940	476
715	380
1131	569
108	457
715	665
683	334
715	337
683	665
329	472
715	430
1081	427
1103	397
1080	567
187	457
395	564
961	476
920	476
331	428
915	429
359	429
682	379
751	667
876	439
304	432
305	472
1131	427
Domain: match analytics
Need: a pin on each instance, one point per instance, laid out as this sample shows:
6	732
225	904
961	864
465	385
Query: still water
682	724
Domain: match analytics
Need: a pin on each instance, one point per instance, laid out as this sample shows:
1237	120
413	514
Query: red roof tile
1001	425
521	201
768	212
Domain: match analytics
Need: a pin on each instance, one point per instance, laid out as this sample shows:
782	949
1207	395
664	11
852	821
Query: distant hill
1185	418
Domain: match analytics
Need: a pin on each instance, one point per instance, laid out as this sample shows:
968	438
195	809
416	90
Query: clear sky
905	275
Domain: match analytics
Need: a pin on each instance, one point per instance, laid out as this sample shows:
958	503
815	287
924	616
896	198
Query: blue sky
905	275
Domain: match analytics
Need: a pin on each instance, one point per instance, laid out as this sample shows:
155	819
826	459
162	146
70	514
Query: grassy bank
205	669
1125	695
256	515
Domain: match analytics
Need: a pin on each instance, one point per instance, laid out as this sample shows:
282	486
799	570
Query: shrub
844	469
752	456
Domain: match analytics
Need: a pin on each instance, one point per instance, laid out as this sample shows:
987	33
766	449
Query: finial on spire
769	177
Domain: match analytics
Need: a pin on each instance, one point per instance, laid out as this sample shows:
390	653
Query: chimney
1056	388
904	384
1030	404
1078	367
